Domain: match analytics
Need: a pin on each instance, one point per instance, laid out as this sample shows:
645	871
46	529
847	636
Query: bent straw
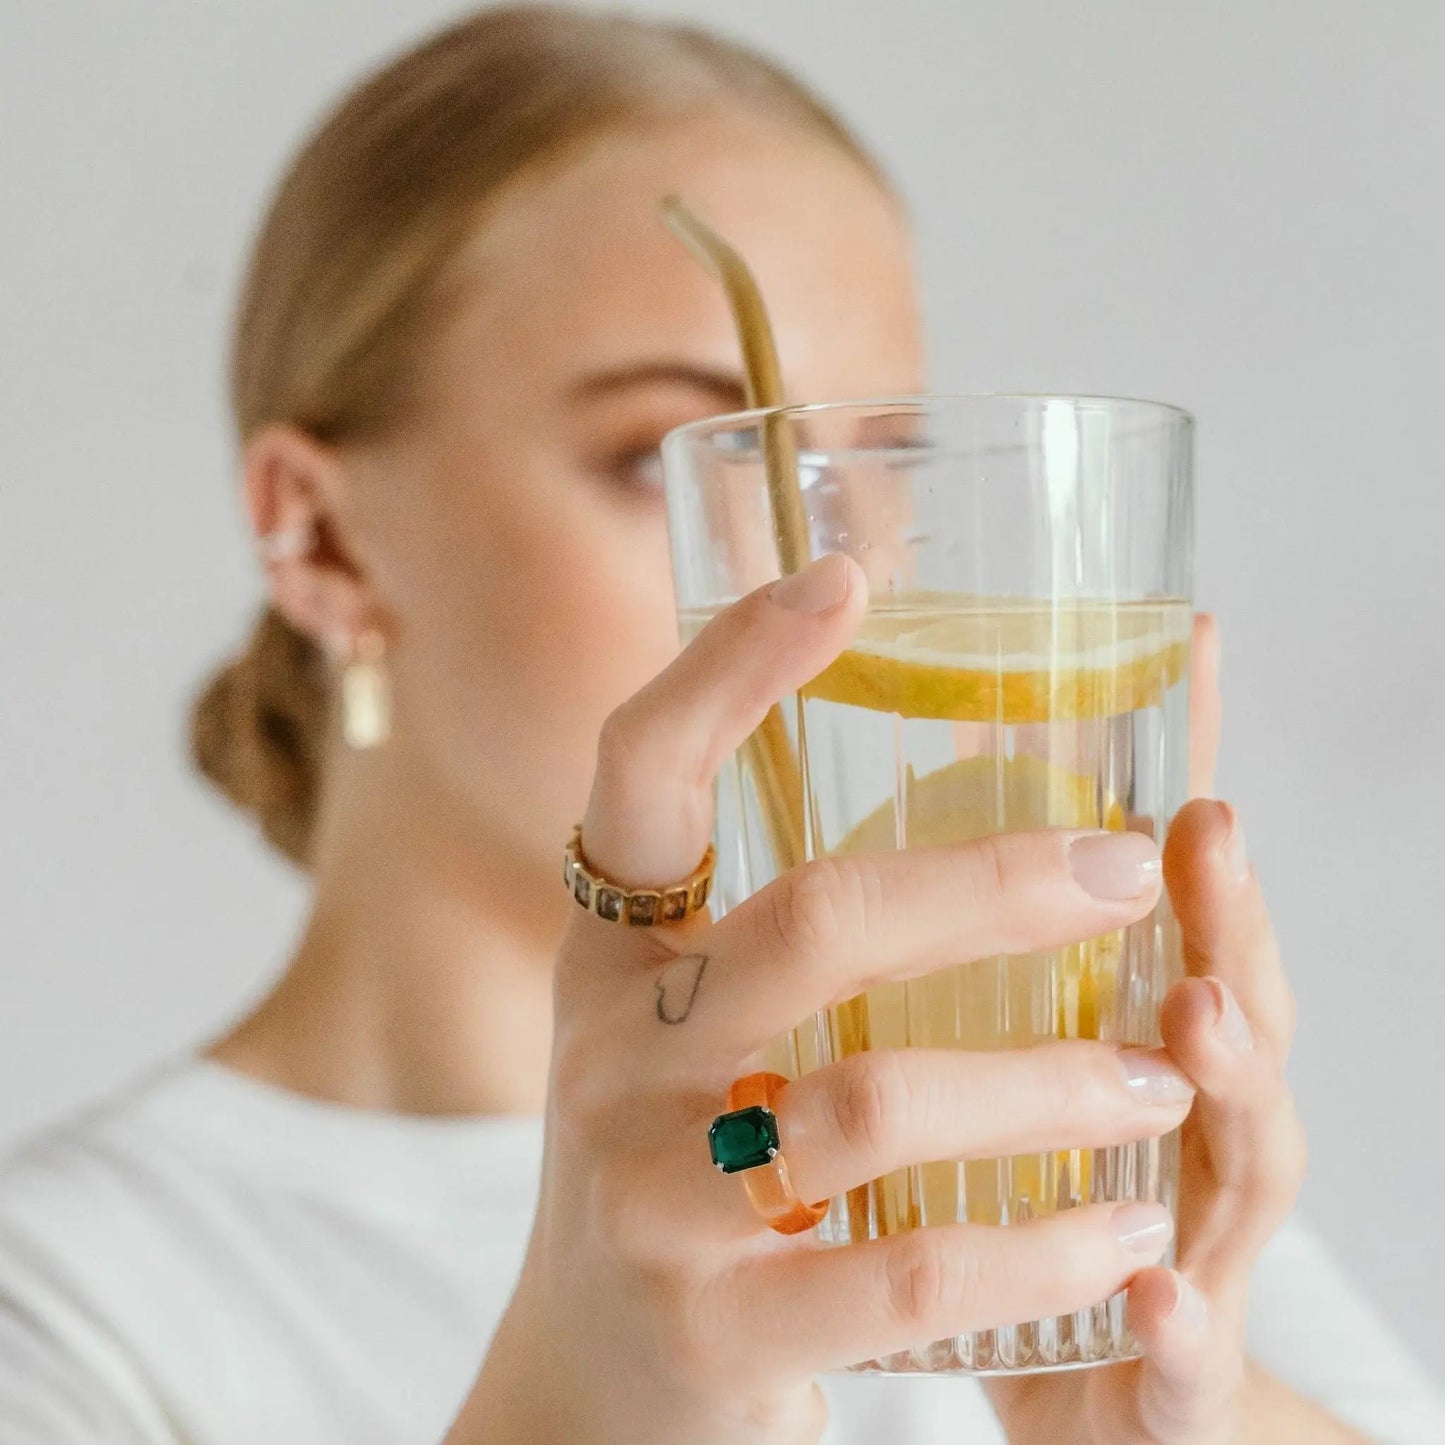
767	752
761	373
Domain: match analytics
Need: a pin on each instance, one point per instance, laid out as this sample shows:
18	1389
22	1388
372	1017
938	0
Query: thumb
1192	1359
651	811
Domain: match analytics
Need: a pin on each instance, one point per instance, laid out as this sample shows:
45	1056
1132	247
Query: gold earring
366	694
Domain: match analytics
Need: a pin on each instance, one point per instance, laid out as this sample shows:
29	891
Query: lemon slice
992	660
976	796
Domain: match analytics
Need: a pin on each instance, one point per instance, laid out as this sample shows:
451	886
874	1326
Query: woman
461	337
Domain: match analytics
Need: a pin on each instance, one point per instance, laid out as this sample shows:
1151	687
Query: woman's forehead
575	267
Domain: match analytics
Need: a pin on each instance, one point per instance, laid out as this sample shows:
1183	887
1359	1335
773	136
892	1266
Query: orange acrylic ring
769	1188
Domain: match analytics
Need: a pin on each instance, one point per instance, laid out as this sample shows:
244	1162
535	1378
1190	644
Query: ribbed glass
1024	664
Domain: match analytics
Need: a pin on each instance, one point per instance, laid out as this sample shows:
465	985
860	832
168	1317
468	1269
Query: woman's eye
640	471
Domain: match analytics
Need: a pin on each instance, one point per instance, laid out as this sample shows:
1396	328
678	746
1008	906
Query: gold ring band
641	907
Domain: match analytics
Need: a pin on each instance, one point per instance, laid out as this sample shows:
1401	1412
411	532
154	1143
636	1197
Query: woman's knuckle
619	738
871	1100
809	907
1289	1009
666	1286
1083	1082
991	872
1063	1072
1301	1170
703	1324
1005	871
643	740
1274	1195
925	1281
623	1225
1296	1153
577	1090
1281	1158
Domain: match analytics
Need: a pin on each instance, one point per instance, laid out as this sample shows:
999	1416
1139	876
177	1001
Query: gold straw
767	753
763	377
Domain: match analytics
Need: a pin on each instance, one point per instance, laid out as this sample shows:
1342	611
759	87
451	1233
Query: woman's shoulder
94	1195
70	1166
172	1180
84	1222
197	1136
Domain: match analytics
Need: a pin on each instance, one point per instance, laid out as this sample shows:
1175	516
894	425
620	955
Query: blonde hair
334	309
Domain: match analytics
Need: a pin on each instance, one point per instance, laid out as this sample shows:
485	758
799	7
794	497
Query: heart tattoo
677	987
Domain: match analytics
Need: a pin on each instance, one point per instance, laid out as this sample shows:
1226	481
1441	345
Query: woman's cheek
541	616
613	622
589	623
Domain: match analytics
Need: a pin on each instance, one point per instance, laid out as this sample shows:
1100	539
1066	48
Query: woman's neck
422	983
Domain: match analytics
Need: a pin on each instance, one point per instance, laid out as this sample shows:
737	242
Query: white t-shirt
213	1261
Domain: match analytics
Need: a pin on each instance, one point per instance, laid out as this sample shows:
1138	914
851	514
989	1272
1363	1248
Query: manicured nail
1152	1079
1114	866
1191	1309
819	587
1230	1024
1143	1229
1233	849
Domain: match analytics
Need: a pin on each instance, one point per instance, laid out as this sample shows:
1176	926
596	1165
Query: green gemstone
743	1139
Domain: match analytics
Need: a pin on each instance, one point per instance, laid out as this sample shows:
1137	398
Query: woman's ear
295	491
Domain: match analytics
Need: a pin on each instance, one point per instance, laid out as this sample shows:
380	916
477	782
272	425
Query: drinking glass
1023	664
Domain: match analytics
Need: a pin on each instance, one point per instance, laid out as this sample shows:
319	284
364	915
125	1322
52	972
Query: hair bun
258	731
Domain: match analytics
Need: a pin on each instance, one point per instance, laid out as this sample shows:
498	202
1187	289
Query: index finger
651	811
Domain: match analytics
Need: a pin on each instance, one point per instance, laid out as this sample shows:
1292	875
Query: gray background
1235	208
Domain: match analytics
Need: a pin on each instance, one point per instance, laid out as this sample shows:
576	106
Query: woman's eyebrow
727	386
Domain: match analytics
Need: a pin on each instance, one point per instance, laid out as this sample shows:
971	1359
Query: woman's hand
654	1306
1228	1026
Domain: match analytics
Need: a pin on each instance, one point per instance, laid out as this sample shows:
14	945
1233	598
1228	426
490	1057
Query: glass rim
703	427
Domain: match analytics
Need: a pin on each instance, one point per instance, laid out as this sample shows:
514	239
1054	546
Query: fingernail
1143	1229
1114	866
1191	1309
1233	850
1230	1024
819	587
1152	1079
